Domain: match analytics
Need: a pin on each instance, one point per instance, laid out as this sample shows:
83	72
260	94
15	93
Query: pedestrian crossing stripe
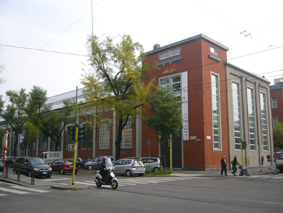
30	189
13	191
2	195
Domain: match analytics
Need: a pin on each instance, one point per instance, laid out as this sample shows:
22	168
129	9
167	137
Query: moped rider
103	170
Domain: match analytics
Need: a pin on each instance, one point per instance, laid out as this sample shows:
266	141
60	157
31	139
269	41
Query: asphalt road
150	194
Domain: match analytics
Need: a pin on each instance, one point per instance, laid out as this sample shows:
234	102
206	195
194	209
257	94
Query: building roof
276	87
188	40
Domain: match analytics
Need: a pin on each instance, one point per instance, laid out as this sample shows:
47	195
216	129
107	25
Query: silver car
94	163
129	167
154	164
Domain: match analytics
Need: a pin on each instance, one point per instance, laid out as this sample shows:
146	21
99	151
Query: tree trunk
119	139
16	144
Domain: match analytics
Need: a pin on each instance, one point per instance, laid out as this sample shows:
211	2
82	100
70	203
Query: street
149	194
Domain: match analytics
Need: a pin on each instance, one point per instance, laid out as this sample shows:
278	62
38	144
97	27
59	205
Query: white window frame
171	84
214	50
274	102
127	135
251	119
264	122
104	134
170	53
68	136
274	120
216	93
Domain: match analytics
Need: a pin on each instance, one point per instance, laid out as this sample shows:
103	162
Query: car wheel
128	173
155	169
89	167
140	174
114	184
61	171
79	166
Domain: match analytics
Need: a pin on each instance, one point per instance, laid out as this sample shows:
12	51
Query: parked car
134	158
93	164
88	159
10	161
153	163
63	166
80	163
1	165
129	167
28	165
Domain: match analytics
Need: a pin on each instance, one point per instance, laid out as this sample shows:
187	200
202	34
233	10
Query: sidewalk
41	182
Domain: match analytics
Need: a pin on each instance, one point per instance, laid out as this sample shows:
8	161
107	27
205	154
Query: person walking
234	163
223	165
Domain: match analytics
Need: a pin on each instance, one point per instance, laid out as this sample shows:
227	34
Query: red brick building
276	94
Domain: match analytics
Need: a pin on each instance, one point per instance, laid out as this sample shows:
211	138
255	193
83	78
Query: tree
166	117
51	122
117	80
14	112
278	135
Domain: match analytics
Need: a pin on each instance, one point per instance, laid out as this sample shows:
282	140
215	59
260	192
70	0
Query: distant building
276	95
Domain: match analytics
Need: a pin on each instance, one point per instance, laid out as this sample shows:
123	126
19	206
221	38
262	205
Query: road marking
83	183
57	179
2	195
14	191
30	189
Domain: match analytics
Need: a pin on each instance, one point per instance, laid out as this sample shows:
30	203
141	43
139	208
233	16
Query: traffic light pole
170	155
75	154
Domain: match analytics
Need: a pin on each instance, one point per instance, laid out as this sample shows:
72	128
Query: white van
49	157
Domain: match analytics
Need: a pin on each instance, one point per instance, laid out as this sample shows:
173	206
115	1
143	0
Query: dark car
94	164
10	161
30	165
1	165
63	166
80	163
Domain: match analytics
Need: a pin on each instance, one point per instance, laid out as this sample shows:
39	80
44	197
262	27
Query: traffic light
168	142
243	144
81	133
73	133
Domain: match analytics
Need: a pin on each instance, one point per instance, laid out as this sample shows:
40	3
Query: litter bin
147	169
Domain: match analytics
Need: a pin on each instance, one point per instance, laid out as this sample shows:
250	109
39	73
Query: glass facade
251	112
127	135
104	135
263	121
215	111
237	115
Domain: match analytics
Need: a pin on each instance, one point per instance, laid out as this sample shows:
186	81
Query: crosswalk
8	189
266	177
142	181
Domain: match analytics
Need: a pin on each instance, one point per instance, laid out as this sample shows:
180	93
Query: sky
251	29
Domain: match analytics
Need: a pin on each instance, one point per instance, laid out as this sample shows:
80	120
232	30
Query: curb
71	187
13	182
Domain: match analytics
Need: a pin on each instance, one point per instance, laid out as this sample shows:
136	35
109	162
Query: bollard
18	174
32	178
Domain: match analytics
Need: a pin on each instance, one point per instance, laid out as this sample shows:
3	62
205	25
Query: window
213	50
174	82
86	142
127	135
68	137
43	144
170	53
215	111
252	128
274	102
104	135
263	122
274	120
237	115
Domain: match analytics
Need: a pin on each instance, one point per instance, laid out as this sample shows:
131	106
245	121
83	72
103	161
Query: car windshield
69	161
36	161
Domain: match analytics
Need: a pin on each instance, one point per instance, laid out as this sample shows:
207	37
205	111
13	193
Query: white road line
30	189
2	195
278	177
57	179
91	184
14	191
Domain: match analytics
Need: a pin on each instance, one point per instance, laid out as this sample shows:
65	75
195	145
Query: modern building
276	95
221	105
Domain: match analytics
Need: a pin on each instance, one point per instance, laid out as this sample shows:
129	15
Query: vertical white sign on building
185	106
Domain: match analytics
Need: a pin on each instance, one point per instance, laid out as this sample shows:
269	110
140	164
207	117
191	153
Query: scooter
112	180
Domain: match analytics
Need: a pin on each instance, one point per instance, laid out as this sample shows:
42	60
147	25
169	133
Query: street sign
149	142
71	147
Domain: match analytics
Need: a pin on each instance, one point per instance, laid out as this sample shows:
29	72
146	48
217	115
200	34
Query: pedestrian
234	164
223	165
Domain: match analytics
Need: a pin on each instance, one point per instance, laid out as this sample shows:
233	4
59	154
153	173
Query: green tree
117	80
14	112
166	114
278	135
51	122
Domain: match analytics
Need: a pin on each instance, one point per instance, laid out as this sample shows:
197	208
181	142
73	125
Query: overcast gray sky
64	25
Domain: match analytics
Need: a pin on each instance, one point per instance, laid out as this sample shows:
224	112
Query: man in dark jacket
103	171
223	165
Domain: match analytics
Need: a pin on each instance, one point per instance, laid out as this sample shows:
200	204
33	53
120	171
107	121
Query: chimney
156	46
